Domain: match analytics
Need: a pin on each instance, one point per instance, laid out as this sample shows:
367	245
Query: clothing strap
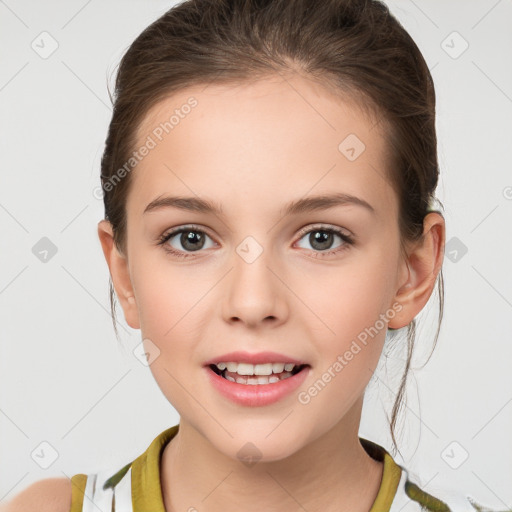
98	499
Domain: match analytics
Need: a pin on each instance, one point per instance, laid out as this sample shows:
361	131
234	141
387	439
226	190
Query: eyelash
348	241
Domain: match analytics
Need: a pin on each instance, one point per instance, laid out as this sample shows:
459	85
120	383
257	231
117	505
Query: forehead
272	137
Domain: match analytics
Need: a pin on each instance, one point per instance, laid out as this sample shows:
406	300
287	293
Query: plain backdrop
73	400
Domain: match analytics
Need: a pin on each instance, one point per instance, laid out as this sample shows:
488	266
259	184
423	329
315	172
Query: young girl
269	179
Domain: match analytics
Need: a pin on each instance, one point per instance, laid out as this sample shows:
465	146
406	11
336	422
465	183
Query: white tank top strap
116	497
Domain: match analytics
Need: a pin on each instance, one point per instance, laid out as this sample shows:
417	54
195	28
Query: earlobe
119	273
420	271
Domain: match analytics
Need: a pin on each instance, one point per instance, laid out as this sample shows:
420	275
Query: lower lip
255	395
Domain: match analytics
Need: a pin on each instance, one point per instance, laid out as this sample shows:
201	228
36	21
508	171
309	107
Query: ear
119	273
420	269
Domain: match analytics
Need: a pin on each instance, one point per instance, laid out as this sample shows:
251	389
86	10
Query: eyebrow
307	204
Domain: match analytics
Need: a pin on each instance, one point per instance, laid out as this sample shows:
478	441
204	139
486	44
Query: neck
332	473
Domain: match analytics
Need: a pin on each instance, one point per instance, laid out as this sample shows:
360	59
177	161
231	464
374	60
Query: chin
251	449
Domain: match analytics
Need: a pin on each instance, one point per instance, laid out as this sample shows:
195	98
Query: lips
257	395
255	358
247	392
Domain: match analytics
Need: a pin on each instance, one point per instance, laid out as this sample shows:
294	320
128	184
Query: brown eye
322	239
189	240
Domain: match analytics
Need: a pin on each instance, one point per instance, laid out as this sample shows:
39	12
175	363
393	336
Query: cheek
352	297
170	312
168	296
353	305
348	351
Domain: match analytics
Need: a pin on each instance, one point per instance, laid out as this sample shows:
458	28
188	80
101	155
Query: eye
321	239
191	239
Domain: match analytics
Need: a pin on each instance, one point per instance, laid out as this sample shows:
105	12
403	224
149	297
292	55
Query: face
313	284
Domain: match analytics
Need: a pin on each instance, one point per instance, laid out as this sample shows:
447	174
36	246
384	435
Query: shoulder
48	495
438	499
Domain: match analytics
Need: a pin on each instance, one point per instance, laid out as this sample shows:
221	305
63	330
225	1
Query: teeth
255	369
278	367
264	379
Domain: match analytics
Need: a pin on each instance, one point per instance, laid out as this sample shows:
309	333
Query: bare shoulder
50	494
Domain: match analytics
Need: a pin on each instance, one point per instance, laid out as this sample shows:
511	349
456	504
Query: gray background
67	382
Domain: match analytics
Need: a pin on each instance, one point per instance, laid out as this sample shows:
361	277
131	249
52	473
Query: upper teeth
256	369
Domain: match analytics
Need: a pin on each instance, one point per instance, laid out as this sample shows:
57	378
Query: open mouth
257	379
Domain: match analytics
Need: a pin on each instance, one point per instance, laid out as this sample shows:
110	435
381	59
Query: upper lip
255	358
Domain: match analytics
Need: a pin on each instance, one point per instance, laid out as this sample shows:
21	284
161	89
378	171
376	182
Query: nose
254	291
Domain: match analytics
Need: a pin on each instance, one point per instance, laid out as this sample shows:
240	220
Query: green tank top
136	486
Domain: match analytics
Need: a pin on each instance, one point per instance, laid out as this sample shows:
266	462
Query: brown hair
352	46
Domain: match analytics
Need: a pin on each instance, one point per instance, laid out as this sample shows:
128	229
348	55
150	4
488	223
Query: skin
253	148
